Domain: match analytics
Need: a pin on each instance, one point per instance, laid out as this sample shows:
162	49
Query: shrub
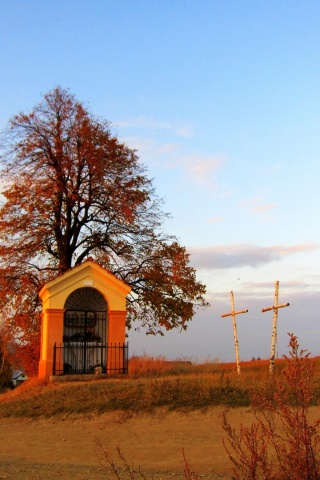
281	444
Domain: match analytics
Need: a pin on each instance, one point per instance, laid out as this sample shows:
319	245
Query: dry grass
282	443
172	385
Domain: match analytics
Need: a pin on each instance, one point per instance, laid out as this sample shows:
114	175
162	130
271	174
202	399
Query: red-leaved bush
281	444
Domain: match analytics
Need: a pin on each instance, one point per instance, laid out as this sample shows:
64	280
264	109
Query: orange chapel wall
54	294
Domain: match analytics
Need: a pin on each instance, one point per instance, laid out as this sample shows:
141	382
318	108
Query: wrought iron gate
84	348
84	340
87	357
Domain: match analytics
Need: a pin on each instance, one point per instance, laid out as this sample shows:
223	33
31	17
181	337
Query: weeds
281	444
188	473
124	471
120	471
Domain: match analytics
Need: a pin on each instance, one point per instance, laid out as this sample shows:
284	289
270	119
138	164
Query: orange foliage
72	189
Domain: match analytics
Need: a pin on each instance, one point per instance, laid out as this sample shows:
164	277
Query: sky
221	99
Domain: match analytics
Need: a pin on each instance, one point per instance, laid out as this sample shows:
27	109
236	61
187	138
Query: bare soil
66	448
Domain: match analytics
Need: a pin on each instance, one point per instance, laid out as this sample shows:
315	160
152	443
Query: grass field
229	425
152	383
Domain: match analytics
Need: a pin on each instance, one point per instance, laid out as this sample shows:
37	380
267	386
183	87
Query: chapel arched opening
85	331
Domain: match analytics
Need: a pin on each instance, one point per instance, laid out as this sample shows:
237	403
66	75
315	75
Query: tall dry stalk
123	470
281	444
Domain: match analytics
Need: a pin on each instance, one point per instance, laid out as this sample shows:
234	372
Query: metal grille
85	348
84	326
89	357
84	341
86	298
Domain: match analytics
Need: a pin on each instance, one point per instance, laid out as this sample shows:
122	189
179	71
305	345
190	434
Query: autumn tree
71	189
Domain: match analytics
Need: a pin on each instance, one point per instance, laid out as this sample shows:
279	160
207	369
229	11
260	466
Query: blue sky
221	99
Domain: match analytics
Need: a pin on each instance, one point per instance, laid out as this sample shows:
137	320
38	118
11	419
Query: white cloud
168	148
243	255
198	167
143	145
263	208
215	220
184	131
256	205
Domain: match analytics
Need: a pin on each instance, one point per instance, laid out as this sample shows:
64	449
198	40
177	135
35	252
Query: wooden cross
235	337
275	309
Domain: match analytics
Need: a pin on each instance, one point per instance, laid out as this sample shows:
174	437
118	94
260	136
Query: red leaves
74	190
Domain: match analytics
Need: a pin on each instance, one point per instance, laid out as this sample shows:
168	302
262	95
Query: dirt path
65	449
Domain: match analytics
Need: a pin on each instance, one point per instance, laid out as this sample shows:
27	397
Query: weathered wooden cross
275	309
235	336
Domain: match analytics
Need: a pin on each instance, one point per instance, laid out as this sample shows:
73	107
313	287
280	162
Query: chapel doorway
85	332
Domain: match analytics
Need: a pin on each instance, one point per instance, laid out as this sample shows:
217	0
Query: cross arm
234	313
275	307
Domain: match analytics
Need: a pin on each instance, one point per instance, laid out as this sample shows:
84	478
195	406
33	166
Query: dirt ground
66	448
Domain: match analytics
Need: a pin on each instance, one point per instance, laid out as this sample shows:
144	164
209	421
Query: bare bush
281	444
